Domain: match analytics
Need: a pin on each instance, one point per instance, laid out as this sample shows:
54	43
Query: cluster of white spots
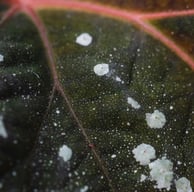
143	178
65	153
133	103
143	153
3	132
84	39
156	119
161	172
101	69
183	185
1	58
84	189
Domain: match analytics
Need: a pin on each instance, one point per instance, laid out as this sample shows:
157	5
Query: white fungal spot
1	58
161	172
143	178
84	189
101	69
183	185
65	153
84	39
143	153
155	119
3	132
133	103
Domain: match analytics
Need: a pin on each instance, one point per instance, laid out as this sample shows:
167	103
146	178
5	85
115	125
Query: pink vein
43	35
57	85
140	20
8	14
150	29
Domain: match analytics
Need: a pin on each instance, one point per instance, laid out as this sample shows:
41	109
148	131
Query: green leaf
52	97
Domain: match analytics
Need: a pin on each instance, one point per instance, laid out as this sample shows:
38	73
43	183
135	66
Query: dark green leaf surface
152	75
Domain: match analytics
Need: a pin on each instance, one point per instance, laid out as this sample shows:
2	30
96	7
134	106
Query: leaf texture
51	96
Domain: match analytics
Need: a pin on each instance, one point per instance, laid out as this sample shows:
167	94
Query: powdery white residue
133	103
161	172
84	39
143	153
1	58
84	189
183	185
3	132
143	178
101	69
65	153
156	119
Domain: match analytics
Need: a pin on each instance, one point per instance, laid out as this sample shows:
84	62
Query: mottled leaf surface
43	110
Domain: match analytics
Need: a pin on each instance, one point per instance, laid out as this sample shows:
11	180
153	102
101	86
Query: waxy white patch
65	153
133	103
183	185
143	153
156	119
161	172
84	39
101	69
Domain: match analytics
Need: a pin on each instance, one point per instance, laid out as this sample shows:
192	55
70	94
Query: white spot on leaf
161	172
65	153
155	119
101	69
84	39
1	58
133	103
143	153
3	132
84	189
183	185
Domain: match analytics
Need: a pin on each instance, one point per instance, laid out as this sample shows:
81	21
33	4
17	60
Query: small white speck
65	152
55	124
84	39
179	162
113	156
171	107
128	124
3	132
143	153
133	103
155	119
143	178
118	79
183	185
57	111
84	189
101	69
161	172
1	58
14	173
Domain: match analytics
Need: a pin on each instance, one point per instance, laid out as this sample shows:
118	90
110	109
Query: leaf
51	96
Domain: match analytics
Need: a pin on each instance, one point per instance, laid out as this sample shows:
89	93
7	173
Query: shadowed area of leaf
149	72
